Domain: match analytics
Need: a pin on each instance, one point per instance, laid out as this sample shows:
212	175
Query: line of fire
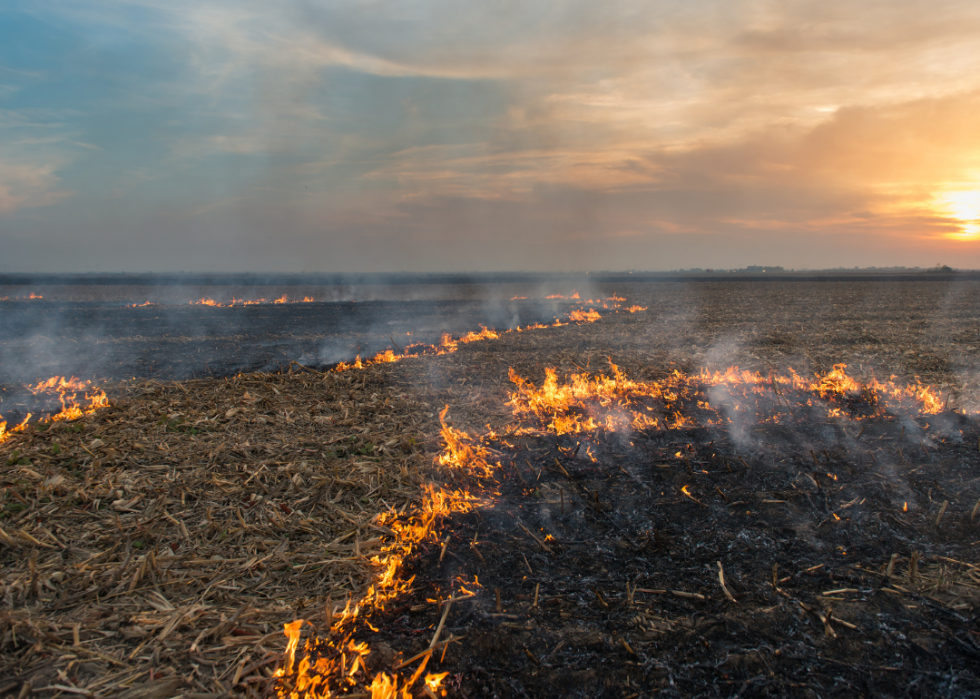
536	511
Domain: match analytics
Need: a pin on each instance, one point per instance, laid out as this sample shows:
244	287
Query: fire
616	403
434	682
385	357
22	298
580	316
484	334
72	407
636	309
59	384
447	345
206	301
336	663
6	433
518	298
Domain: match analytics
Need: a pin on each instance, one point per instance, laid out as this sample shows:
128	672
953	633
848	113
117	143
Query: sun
964	206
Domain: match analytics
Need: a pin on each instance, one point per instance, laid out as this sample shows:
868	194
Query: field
646	529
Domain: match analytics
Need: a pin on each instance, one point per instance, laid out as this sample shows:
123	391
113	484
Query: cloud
24	185
423	134
35	146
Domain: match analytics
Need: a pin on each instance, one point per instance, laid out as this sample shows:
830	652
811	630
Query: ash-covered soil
929	328
103	342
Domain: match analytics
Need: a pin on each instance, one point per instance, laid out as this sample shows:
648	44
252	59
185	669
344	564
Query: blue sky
432	135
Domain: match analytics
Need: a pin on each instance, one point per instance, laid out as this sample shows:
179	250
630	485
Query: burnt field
599	513
112	342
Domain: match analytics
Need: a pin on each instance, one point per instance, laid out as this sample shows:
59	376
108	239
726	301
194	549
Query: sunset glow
964	207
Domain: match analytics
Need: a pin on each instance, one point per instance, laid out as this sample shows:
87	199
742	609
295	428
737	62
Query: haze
435	135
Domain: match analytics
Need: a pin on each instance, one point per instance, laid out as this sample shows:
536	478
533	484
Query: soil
601	578
96	341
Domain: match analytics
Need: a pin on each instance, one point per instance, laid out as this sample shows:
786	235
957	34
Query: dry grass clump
156	547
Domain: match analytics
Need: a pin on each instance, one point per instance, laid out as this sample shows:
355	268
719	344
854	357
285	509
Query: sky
438	135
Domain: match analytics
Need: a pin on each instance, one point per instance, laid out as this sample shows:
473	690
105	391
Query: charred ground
113	342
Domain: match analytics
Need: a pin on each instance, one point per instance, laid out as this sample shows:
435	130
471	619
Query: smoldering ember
626	489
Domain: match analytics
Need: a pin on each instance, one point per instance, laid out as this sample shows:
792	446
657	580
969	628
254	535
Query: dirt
814	521
109	343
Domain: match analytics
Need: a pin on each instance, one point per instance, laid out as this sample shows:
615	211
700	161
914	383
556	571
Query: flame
580	316
385	357
447	345
434	682
5	433
324	669
484	334
72	407
518	298
206	301
636	309
615	403
21	298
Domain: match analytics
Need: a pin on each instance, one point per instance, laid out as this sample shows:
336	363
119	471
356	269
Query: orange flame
240	302
580	316
616	403
21	298
324	668
72	407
